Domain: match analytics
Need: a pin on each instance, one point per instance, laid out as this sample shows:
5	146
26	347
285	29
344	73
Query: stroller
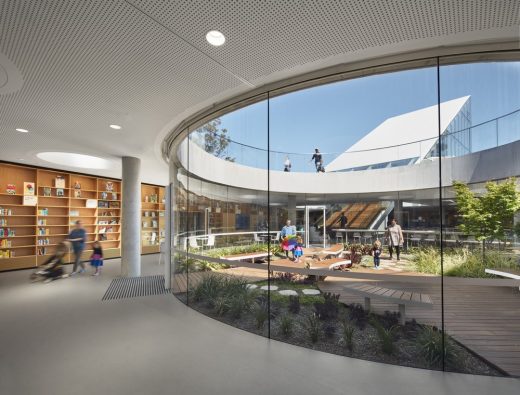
52	269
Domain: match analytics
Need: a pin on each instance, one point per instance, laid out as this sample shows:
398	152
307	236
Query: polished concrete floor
59	338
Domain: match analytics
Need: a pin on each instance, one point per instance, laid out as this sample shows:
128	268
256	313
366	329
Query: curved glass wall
371	217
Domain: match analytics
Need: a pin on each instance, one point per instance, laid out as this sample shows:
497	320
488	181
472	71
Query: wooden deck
484	319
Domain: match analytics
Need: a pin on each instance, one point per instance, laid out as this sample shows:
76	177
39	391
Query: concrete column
291	208
131	218
398	211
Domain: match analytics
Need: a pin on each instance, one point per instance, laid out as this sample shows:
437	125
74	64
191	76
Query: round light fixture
116	127
22	130
215	38
74	160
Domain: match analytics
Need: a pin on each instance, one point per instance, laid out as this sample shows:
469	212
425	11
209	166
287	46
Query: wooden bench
335	250
246	256
402	298
509	273
330	264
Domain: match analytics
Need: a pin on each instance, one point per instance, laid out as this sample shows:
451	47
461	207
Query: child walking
376	252
96	260
298	250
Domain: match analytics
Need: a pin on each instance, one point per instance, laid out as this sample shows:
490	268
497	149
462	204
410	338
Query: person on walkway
96	259
78	237
395	237
318	160
343	221
376	252
287	234
287	164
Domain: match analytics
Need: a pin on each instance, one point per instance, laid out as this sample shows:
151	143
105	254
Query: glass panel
360	153
478	218
179	220
228	224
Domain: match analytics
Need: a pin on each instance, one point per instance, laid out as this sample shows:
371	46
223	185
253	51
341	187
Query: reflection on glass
337	235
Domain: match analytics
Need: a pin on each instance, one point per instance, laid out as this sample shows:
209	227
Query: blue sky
332	117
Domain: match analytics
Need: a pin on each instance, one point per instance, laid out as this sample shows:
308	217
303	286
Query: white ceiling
143	64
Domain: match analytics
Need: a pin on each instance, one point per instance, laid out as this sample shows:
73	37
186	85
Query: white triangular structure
400	140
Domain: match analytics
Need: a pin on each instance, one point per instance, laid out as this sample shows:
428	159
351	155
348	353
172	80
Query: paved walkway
61	339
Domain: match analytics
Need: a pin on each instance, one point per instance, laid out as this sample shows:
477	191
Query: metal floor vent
122	288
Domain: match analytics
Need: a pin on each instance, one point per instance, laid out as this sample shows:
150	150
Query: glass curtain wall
373	216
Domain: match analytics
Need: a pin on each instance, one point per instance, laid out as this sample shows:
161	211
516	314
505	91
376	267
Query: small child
376	252
298	250
96	260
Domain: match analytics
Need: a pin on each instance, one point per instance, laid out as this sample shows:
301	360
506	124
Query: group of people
395	238
316	157
291	242
52	269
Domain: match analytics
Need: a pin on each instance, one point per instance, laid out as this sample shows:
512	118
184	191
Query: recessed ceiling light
22	130
215	38
21	159
116	127
74	160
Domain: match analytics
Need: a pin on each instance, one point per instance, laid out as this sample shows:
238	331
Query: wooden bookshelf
152	218
30	234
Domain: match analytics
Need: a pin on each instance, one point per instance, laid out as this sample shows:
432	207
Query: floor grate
132	287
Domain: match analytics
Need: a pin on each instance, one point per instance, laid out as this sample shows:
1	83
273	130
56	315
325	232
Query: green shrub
460	262
207	290
294	304
358	315
430	342
329	330
347	334
221	305
261	314
286	325
386	336
237	306
329	308
313	327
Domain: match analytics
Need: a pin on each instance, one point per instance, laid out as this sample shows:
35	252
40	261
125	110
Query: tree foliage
489	215
216	140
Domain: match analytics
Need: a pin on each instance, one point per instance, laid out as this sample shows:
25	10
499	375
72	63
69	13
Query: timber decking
486	319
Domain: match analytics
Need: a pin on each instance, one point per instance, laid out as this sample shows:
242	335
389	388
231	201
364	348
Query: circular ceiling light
74	160
215	38
116	127
22	130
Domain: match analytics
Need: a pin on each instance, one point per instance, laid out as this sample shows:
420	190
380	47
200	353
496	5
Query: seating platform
247	256
508	273
402	298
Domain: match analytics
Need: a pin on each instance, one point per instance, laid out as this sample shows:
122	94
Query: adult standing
288	232
77	237
395	237
343	222
318	160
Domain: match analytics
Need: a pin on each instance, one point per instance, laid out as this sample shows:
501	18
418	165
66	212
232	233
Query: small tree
487	216
216	140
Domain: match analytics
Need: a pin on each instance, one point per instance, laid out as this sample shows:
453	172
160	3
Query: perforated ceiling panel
272	35
144	64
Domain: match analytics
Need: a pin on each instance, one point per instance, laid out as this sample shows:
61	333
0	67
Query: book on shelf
43	211
7	232
6	254
113	204
47	191
73	213
77	185
77	193
42	250
60	192
59	182
91	203
30	200
10	189
114	196
109	186
28	188
6	211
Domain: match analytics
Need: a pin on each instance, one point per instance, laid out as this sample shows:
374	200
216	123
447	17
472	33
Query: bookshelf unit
29	234
152	218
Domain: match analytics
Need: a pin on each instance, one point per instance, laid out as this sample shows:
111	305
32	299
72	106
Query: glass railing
490	134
